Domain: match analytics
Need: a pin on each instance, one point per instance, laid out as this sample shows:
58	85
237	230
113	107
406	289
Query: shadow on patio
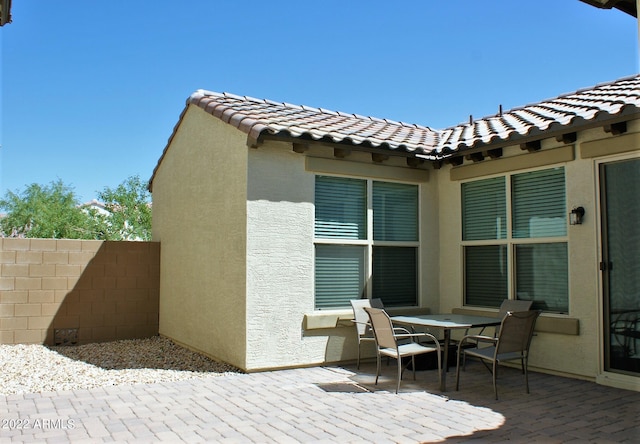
558	409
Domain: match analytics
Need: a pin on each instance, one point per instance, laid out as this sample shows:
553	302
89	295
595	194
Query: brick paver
330	404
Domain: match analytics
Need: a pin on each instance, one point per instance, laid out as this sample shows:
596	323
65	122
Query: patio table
446	322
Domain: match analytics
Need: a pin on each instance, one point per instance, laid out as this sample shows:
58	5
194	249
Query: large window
514	233
366	242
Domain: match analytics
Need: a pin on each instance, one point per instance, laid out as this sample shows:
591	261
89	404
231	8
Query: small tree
129	206
49	211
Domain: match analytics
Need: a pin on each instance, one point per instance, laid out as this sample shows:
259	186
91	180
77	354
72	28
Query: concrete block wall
92	291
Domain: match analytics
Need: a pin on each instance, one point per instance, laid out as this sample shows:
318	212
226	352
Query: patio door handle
606	265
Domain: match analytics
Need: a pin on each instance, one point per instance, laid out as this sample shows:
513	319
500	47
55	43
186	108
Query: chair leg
457	370
495	376
526	374
399	374
439	369
377	367
358	360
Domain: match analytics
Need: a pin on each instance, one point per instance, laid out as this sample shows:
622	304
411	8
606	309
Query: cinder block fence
77	291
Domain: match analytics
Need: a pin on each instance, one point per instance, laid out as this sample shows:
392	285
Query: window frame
369	242
511	241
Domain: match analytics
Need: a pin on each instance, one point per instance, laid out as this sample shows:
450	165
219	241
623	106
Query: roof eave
554	131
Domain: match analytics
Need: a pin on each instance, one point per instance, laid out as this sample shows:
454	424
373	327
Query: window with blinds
538	208
345	243
341	208
484	209
525	256
395	212
340	271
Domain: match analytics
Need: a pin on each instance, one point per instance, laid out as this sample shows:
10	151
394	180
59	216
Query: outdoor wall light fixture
576	215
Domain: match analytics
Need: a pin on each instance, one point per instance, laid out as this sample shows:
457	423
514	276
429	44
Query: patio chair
387	344
361	320
512	342
507	306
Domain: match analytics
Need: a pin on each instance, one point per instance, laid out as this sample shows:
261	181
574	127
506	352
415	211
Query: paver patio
330	404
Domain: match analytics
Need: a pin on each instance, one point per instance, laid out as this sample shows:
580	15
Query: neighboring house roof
628	6
5	12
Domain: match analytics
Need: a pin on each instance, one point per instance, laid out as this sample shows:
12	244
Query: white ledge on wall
342	318
326	319
545	324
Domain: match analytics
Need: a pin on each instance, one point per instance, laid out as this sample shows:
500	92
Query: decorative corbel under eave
341	153
476	157
300	147
567	138
414	162
532	146
495	153
616	128
378	157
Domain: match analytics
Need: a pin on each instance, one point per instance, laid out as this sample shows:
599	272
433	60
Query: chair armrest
478	338
422	335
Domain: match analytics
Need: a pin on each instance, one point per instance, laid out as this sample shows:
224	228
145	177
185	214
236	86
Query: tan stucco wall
571	354
199	216
280	255
236	228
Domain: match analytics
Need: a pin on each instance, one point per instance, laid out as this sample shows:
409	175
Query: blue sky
91	91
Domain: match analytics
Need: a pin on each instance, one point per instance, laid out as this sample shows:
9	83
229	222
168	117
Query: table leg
445	367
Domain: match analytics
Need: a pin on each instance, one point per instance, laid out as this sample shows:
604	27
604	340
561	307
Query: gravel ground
38	368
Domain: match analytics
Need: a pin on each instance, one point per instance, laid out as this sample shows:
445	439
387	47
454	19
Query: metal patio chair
513	342
387	344
361	320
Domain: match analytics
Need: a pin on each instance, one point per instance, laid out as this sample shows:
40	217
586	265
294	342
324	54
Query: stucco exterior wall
237	257
199	216
571	354
280	285
280	255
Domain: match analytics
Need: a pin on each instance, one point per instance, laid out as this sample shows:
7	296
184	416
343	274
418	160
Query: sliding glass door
620	266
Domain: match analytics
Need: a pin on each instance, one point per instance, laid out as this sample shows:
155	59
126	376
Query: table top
447	320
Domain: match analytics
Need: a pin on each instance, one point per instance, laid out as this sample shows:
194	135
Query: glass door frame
605	376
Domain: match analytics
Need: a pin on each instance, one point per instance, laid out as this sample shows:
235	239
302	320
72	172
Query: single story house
272	216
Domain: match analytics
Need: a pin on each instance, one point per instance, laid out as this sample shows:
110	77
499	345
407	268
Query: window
366	242
514	236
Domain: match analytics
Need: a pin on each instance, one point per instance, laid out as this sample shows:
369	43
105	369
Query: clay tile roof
563	113
257	117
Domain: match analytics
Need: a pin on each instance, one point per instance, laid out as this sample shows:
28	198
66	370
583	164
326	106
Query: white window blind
395	275
355	261
486	278
341	208
541	275
484	210
340	271
395	212
539	208
529	262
